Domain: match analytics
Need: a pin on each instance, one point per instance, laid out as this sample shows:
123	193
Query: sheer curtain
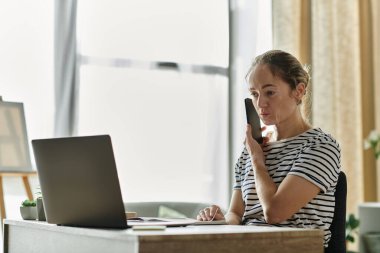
374	10
344	61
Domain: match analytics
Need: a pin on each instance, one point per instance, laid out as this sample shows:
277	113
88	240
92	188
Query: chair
337	242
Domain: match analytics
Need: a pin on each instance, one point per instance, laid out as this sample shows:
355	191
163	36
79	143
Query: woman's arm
235	213
279	203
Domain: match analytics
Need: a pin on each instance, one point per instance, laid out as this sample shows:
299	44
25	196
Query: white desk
33	236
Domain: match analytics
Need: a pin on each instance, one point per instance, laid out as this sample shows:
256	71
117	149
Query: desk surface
22	235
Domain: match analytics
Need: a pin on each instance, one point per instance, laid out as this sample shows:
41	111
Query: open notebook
80	185
153	221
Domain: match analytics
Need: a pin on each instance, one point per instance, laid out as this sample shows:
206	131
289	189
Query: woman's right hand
213	212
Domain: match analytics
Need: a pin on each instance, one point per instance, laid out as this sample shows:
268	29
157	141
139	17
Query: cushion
167	212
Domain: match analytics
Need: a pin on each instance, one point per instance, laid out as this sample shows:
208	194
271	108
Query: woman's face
272	97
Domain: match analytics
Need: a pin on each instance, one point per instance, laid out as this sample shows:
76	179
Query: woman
289	181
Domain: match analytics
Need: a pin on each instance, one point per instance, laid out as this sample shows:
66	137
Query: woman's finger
202	215
265	140
248	130
206	213
248	134
213	211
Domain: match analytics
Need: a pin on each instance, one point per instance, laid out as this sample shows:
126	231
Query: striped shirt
312	155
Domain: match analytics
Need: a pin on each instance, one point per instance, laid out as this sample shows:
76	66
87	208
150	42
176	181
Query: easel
24	176
14	149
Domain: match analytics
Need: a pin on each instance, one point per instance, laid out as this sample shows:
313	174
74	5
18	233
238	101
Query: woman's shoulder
318	137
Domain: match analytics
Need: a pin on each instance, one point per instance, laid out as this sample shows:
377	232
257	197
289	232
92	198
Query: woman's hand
210	213
253	147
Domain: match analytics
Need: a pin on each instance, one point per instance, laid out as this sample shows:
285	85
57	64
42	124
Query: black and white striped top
312	155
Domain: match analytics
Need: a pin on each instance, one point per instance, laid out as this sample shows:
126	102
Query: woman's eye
255	95
270	93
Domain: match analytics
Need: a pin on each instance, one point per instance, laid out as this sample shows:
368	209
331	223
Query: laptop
80	185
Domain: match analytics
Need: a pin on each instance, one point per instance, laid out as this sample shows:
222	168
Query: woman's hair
288	68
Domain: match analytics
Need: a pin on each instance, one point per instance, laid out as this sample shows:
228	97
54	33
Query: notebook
80	185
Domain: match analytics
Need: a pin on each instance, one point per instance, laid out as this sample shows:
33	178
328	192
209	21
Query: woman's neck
291	127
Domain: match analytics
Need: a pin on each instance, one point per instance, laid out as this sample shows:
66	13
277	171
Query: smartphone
254	120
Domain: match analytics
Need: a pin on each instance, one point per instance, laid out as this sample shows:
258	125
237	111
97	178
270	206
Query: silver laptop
80	185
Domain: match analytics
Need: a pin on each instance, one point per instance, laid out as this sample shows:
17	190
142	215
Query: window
168	126
26	62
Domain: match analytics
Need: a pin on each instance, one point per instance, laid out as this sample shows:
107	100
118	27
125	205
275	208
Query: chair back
337	243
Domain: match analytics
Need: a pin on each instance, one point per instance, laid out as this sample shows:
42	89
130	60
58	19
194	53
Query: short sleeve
239	171
319	163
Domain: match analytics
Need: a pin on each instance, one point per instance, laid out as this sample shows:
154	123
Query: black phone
254	120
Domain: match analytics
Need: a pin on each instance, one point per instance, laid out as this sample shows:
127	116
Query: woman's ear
300	91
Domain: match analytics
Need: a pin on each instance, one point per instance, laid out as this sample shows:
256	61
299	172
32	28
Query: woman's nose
261	102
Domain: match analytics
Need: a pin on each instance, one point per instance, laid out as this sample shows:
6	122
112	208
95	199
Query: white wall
26	75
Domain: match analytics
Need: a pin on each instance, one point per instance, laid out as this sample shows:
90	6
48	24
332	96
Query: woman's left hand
254	148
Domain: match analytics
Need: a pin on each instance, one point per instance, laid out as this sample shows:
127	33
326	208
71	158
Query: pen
213	217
